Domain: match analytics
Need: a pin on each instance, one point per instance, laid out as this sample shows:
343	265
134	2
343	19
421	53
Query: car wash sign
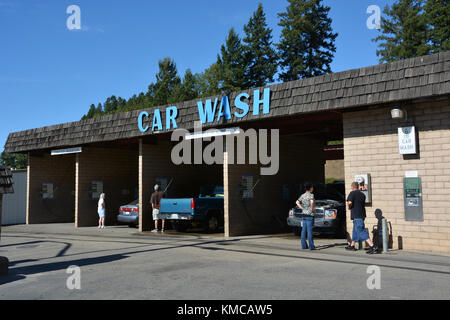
209	111
407	140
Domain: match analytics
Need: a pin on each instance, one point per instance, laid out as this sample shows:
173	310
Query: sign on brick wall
407	140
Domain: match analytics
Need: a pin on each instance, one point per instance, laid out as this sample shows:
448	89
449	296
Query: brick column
28	190
77	190
145	221
226	221
371	146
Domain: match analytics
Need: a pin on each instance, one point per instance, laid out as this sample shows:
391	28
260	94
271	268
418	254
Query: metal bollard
384	230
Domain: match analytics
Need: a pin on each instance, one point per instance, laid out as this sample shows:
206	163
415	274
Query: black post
6	186
3	260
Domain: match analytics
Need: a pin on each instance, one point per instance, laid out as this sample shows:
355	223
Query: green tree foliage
261	57
306	46
437	15
209	81
167	80
99	110
15	160
113	105
187	90
403	31
90	113
231	64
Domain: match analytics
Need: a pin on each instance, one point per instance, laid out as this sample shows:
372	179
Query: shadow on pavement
327	246
20	273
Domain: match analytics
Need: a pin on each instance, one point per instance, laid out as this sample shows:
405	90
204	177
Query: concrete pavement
119	263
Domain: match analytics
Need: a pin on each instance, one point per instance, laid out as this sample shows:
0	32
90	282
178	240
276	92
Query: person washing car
155	200
356	204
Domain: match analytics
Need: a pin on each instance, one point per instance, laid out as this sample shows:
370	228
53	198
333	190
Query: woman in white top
101	211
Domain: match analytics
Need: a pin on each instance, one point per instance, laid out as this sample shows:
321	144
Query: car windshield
211	191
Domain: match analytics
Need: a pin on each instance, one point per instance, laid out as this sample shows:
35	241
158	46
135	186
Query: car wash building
394	120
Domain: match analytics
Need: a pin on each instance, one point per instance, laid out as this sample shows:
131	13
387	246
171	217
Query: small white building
14	204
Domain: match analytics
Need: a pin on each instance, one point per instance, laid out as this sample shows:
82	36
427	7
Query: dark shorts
359	231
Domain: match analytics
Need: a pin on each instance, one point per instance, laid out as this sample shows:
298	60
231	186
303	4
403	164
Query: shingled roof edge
315	89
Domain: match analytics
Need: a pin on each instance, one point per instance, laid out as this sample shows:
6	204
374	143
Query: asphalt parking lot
119	263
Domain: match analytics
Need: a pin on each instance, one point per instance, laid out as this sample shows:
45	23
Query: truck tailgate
173	208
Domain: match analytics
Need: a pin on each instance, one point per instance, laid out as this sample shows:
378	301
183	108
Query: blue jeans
308	223
359	230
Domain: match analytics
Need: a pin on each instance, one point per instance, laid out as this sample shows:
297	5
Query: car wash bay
65	188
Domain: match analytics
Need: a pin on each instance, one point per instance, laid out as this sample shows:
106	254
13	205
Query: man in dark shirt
356	204
155	200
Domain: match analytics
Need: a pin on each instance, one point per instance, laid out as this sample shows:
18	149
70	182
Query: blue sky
51	75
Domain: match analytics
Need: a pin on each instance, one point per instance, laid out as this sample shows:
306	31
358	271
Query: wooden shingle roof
420	77
6	180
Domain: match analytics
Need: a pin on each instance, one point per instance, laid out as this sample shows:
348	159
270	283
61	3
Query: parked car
129	214
329	217
205	210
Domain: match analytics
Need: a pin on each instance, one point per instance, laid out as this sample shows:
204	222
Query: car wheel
180	226
211	223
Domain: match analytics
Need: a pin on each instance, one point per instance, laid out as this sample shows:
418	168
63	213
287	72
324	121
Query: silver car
129	214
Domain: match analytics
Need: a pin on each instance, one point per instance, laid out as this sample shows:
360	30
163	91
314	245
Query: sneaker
162	230
372	250
350	248
99	227
154	230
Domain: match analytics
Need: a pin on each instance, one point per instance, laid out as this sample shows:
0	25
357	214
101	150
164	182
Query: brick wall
301	160
59	170
118	169
334	169
371	146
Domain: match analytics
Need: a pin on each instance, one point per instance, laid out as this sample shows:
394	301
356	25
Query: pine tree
14	160
209	81
110	105
437	15
404	31
306	47
231	63
189	89
98	110
91	111
260	56
167	80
